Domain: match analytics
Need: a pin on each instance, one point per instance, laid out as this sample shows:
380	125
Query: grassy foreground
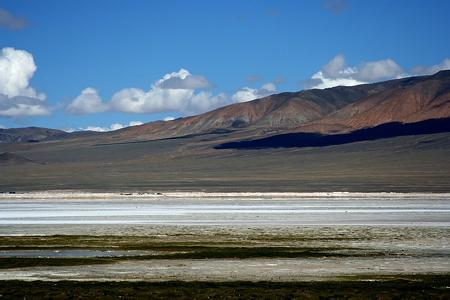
412	287
201	243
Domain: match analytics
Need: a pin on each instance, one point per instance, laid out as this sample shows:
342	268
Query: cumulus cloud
174	92
134	100
424	70
204	101
88	102
22	106
377	70
336	73
17	97
247	94
17	67
336	67
321	81
9	21
183	80
168	119
102	129
135	123
112	127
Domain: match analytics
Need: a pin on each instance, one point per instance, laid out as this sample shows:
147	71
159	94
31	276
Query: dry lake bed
218	238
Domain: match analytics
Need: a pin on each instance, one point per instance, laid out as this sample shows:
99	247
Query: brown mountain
29	134
333	110
281	111
411	100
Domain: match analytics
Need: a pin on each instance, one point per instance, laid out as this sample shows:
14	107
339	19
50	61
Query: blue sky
214	52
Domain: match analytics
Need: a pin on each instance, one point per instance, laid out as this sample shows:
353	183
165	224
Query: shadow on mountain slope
299	140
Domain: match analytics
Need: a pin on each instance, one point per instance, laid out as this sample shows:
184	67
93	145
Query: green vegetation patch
189	252
184	249
411	287
14	262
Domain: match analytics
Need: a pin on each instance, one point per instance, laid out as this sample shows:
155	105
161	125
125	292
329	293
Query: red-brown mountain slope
415	99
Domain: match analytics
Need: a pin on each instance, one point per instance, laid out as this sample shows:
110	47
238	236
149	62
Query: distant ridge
29	134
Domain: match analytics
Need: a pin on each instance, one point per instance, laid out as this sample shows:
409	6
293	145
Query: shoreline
81	194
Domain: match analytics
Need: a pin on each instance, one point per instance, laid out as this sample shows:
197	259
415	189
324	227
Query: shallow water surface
383	234
364	209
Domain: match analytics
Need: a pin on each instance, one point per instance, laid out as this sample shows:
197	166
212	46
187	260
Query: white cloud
88	102
336	67
174	92
203	102
17	67
247	94
135	123
116	126
112	127
168	119
177	92
21	106
424	70
95	128
183	79
269	87
133	100
17	97
319	81
336	73
378	70
9	21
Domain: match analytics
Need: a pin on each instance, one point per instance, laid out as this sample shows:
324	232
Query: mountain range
397	112
334	110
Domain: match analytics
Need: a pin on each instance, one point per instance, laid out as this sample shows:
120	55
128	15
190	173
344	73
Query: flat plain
227	239
401	164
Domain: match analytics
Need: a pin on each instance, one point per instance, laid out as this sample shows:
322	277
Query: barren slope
415	99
